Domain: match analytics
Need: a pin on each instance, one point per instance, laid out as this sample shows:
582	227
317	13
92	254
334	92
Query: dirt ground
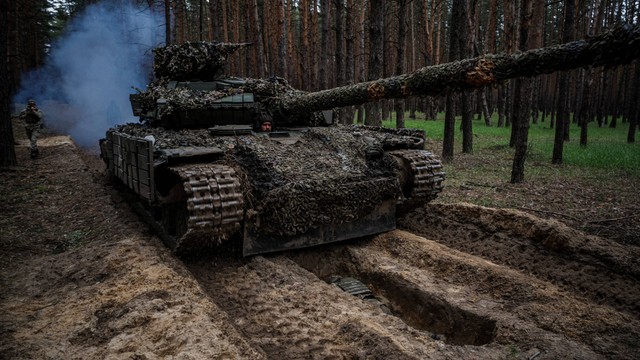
83	278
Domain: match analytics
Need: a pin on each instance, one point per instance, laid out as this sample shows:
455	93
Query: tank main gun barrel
618	46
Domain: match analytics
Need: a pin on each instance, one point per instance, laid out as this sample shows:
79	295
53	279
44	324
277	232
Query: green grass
606	148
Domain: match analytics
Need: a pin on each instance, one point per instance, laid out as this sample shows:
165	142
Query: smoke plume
84	86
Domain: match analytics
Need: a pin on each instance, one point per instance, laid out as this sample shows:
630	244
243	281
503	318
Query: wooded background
319	44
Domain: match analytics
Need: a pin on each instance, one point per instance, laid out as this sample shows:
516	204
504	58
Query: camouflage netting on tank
181	98
192	60
266	91
331	175
297	207
271	92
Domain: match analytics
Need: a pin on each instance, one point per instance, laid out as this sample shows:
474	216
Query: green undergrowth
607	149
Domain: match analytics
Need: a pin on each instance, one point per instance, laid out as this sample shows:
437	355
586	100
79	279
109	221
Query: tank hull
289	189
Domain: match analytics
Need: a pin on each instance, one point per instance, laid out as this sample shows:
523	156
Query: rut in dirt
285	305
600	270
438	298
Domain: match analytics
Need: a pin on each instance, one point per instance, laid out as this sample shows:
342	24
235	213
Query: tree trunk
167	21
348	112
399	104
324	45
376	25
635	109
262	64
485	107
562	120
363	50
466	96
585	109
305	50
283	43
7	150
457	45
449	129
522	109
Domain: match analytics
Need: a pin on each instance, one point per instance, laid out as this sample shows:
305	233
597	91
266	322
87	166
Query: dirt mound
82	277
602	270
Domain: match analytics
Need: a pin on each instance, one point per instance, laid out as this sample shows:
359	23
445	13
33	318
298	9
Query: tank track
214	204
427	175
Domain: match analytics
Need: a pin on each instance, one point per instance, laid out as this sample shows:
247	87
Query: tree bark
562	120
283	43
261	63
635	110
400	50
522	109
324	45
347	114
376	25
457	47
7	150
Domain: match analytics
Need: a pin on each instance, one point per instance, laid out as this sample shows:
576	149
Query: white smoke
84	86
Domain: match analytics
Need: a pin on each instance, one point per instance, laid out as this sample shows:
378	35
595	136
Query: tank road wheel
421	176
213	210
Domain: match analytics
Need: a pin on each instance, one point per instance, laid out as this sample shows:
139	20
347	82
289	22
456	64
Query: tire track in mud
602	271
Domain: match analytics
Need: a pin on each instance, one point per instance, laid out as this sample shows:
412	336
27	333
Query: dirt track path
465	282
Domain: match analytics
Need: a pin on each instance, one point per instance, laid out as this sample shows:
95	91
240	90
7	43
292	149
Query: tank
209	171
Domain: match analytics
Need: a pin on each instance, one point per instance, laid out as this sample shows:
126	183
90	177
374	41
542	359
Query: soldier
265	126
32	118
263	120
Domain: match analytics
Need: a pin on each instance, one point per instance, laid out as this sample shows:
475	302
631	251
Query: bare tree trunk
562	120
634	112
324	45
314	65
449	129
167	21
485	107
510	43
466	97
348	113
457	44
7	150
523	91
258	40
399	103
363	48
376	59
304	44
283	43
585	114
502	103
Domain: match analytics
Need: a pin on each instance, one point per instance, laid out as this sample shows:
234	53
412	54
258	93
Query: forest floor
546	270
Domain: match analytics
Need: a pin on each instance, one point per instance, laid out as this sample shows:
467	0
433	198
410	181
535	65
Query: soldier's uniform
32	118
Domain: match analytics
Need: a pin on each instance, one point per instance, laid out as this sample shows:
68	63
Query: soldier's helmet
31	102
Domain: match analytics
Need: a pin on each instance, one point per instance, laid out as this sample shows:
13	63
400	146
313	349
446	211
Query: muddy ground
82	278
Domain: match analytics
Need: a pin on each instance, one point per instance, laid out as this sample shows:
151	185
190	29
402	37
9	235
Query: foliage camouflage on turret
203	61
